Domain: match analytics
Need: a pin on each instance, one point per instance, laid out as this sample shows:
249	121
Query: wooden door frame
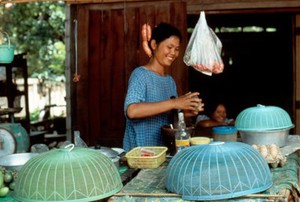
297	73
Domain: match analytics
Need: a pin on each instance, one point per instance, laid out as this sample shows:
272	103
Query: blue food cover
219	170
263	118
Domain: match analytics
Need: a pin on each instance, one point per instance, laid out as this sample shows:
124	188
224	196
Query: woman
216	116
148	102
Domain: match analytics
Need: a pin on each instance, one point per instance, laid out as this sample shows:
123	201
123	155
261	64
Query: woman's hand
190	103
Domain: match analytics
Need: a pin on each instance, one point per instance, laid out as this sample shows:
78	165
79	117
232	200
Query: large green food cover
68	174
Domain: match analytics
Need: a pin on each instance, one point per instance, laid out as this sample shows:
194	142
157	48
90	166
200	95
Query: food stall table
149	185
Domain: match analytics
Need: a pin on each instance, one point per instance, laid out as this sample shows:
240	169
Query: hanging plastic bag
203	51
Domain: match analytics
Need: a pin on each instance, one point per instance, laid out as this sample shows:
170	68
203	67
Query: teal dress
146	86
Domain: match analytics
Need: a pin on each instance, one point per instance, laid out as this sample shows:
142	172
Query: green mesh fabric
69	174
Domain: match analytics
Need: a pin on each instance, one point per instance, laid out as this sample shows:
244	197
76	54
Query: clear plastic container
224	133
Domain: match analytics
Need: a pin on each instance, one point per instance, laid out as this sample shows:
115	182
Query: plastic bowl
16	161
224	133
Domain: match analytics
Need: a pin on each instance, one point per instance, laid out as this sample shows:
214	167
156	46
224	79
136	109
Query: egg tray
272	153
275	164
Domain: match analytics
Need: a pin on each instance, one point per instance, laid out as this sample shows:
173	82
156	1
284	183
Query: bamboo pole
178	195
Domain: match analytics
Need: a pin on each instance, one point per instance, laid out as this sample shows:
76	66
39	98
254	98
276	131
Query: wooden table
148	185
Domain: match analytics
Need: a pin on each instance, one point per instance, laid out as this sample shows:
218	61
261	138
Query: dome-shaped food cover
263	118
68	174
219	170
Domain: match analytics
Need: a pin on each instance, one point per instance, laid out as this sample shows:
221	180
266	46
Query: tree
37	29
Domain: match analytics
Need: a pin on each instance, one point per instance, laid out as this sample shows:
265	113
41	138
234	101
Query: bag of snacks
203	51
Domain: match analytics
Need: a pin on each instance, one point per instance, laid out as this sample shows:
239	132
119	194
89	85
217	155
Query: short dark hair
211	106
163	31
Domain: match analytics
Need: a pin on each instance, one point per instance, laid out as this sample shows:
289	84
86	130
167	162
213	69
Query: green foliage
34	116
37	29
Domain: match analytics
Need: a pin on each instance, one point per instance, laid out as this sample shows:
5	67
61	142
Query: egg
264	151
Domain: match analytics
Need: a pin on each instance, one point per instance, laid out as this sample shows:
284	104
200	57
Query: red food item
216	68
148	32
146	37
144	32
76	78
147	155
145	152
147	48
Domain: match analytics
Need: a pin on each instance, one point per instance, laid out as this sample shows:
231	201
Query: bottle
78	141
182	137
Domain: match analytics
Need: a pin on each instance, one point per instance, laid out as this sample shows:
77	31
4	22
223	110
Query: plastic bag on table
203	51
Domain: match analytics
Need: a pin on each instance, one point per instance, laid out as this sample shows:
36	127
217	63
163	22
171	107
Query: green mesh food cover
68	174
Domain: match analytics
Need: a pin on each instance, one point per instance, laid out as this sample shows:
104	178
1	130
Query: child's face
220	114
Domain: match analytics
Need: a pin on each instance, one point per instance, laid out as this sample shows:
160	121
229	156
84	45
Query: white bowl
16	161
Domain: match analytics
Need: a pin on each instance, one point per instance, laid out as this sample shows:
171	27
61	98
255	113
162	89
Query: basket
135	160
6	50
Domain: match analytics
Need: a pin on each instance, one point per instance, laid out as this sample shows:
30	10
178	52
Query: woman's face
219	114
167	51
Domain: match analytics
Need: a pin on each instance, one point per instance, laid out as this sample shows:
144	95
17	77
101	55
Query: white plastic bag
203	51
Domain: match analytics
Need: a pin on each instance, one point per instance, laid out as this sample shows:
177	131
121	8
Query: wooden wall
109	49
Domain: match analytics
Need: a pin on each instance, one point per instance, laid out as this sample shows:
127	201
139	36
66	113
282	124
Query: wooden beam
195	6
75	1
297	74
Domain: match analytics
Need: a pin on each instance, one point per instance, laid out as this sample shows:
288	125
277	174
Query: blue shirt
146	86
